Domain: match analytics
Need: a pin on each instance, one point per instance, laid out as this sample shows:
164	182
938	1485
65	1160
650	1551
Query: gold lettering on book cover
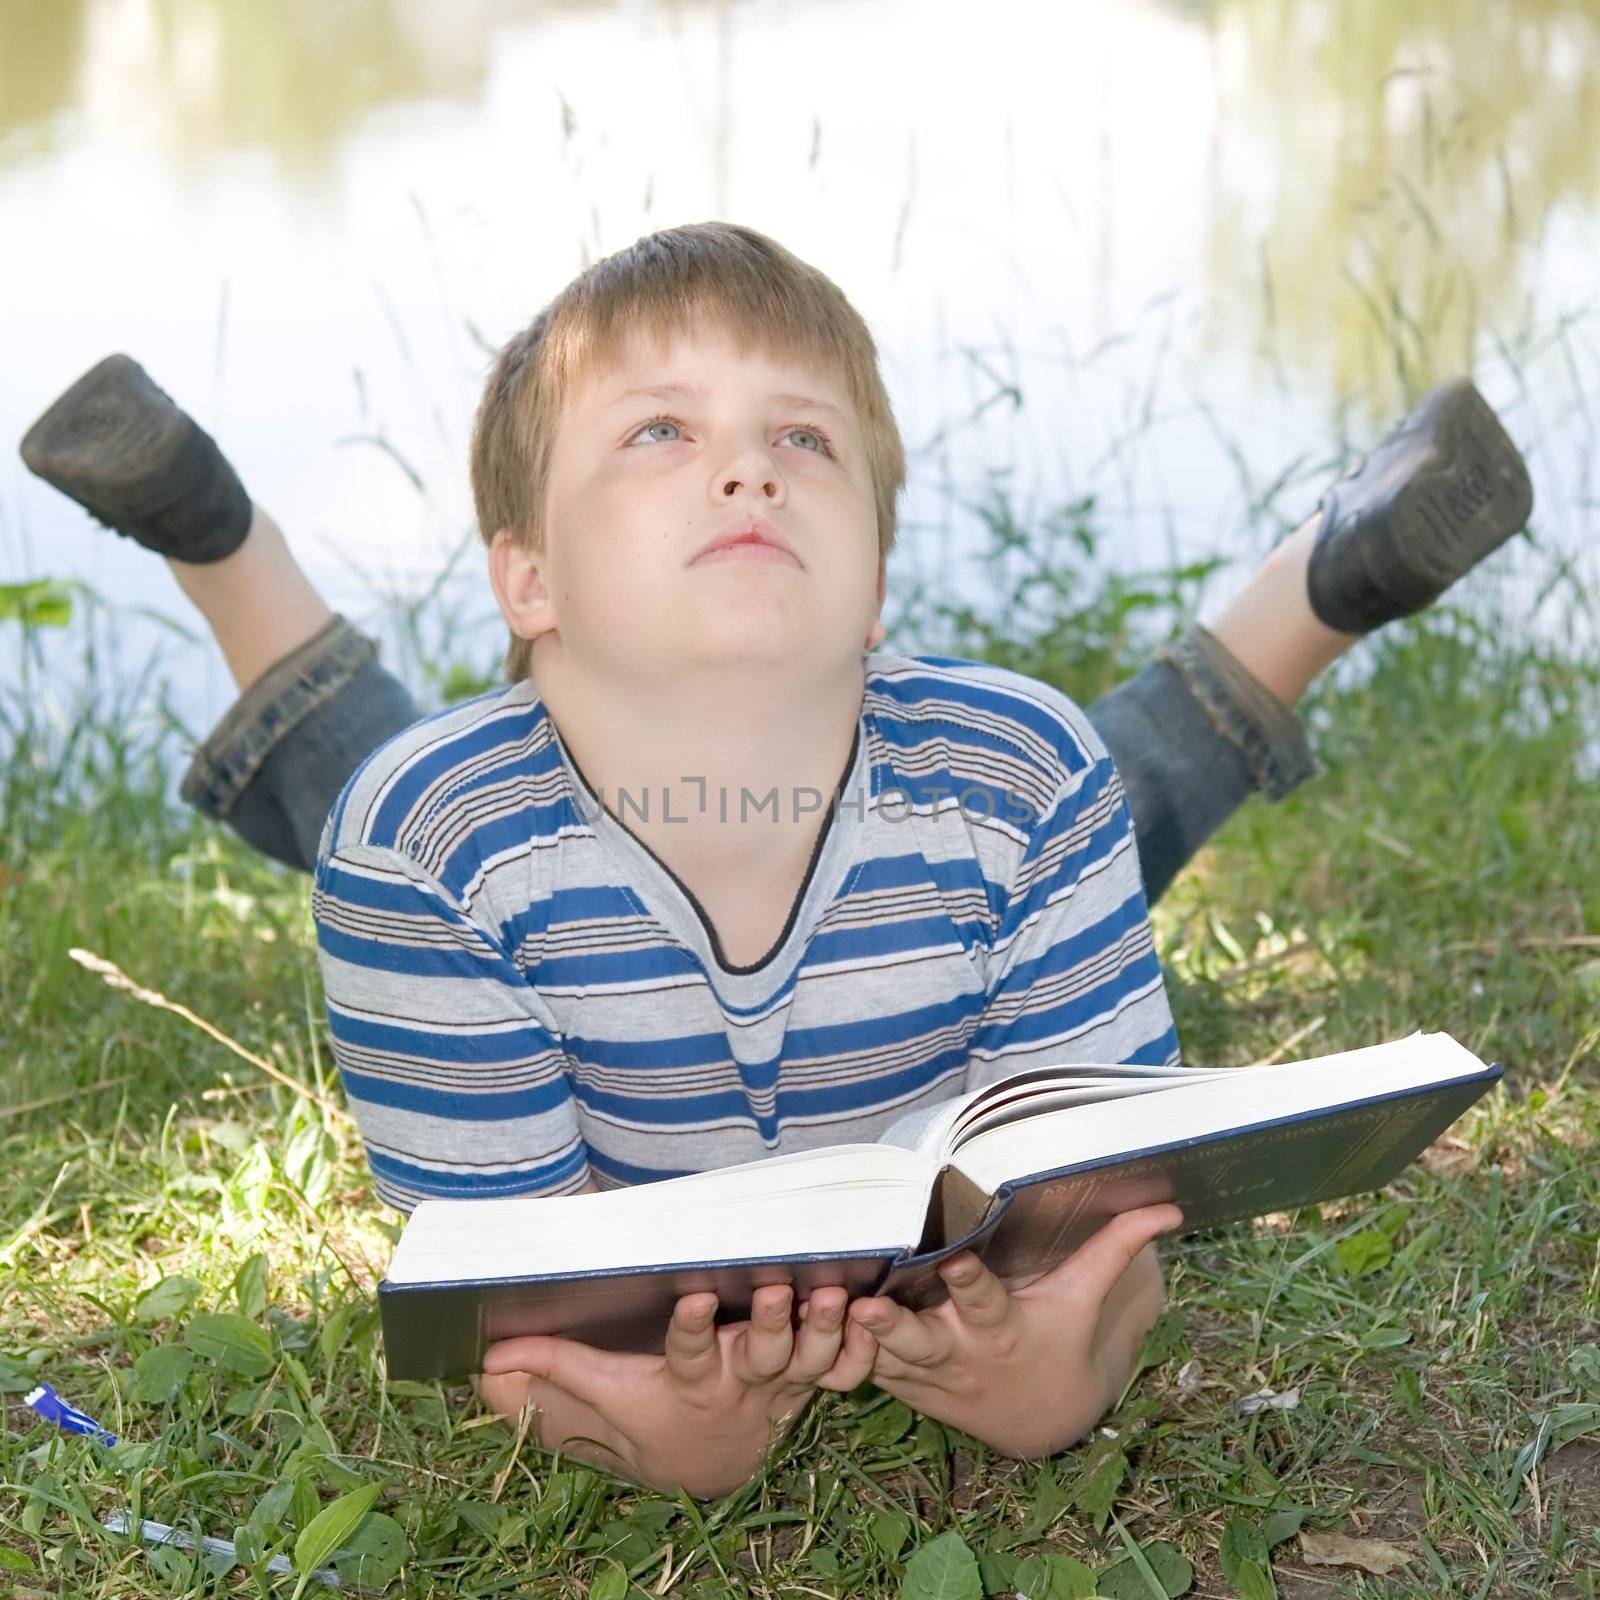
1048	1220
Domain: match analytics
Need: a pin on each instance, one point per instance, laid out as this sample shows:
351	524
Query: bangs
593	334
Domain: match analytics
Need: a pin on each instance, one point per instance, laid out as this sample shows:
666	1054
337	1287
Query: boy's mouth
748	539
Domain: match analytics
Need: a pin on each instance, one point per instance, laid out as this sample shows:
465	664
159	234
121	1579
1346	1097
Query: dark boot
1425	505
133	460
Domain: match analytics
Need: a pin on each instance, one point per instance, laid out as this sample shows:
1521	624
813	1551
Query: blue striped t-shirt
521	994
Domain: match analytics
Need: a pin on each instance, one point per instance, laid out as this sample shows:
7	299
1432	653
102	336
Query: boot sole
1474	500
170	489
1465	491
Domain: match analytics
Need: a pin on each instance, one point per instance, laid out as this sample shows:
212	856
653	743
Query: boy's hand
1027	1371
703	1414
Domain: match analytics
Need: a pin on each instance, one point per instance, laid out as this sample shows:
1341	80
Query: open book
1021	1171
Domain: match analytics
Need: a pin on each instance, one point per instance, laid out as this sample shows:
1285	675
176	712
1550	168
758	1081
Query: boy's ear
877	633
517	578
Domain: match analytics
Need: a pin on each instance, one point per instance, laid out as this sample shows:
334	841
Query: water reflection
1409	163
1382	175
202	76
40	51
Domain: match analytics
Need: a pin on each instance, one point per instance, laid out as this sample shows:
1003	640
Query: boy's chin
760	644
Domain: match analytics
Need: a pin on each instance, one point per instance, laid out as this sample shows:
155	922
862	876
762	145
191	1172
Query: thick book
1021	1171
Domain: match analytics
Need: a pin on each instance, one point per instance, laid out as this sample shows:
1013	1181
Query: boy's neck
689	766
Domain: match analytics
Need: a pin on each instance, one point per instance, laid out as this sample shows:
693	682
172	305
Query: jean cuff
288	691
1249	716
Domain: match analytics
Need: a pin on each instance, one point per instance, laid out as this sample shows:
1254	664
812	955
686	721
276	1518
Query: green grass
1443	1337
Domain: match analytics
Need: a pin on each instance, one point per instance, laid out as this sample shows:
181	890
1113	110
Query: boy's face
641	483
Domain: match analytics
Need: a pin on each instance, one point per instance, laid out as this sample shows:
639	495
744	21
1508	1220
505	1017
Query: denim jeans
1193	736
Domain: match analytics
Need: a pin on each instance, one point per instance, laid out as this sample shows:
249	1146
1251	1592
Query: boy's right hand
704	1413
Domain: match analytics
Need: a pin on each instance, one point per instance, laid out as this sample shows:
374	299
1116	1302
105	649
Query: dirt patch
1392	1511
1450	1157
1574	1469
1306	1586
1569	1477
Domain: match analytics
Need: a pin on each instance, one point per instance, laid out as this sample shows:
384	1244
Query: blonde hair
678	282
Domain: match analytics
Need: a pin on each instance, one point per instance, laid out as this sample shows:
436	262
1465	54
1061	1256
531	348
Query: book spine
914	1279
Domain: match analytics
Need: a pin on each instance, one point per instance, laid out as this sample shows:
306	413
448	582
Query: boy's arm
1073	974
451	1062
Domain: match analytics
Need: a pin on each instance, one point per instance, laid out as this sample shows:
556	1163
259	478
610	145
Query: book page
927	1129
843	1199
1212	1103
936	1130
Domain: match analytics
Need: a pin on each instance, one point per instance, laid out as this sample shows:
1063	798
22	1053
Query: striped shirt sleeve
452	1065
1073	974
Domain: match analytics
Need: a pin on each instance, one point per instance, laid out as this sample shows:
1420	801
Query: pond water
1177	256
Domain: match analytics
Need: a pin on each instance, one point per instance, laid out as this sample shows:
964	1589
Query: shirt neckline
832	851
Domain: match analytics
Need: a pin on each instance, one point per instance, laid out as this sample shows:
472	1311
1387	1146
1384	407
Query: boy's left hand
702	1415
1031	1370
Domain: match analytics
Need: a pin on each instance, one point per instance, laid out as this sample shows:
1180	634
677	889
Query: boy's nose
768	485
750	467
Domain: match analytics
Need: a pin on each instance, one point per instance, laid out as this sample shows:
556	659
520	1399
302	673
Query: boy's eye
810	438
660	422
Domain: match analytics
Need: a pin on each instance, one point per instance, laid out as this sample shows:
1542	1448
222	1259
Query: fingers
575	1367
977	1295
1095	1266
763	1346
911	1341
821	1335
506	1393
693	1353
858	1352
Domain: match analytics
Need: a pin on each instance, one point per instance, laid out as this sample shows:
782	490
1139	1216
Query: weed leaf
1052	1577
159	1374
234	1343
330	1530
374	1554
1244	1560
169	1298
944	1569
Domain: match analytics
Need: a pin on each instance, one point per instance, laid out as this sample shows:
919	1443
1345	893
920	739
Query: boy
829	886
